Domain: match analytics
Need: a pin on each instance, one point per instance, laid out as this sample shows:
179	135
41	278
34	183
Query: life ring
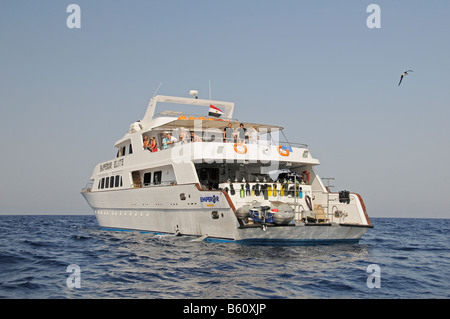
307	175
243	151
283	152
308	202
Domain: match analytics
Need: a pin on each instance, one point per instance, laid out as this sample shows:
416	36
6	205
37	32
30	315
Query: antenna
210	89
157	89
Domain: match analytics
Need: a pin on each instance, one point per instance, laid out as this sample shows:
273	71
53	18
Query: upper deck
201	139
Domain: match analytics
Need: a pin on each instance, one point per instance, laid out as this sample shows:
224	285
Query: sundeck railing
212	139
291	144
265	133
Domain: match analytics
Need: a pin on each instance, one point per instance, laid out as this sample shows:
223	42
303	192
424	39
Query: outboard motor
261	214
243	213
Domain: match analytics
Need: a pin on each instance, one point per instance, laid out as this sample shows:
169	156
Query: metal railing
87	188
165	183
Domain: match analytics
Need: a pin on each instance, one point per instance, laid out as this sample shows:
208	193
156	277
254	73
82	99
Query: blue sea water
411	258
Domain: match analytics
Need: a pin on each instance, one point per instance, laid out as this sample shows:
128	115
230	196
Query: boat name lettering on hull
109	165
212	199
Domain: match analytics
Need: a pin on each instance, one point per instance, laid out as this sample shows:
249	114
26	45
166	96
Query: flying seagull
403	74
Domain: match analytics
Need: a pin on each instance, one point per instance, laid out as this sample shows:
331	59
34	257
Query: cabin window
130	149
136	176
157	177
147	179
123	150
110	182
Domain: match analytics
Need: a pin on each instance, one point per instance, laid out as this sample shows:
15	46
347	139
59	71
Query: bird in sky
403	74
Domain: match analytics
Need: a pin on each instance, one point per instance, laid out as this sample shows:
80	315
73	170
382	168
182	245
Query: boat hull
303	234
207	214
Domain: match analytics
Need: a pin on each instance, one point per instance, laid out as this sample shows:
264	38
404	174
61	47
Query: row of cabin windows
110	182
122	151
156	178
116	181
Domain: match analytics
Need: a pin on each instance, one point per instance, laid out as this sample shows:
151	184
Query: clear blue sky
313	67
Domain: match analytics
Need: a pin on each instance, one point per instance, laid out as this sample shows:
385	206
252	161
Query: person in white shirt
172	140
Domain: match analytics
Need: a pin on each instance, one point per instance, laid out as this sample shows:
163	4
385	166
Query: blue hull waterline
284	242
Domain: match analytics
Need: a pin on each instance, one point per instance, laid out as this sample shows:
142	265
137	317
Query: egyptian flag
214	111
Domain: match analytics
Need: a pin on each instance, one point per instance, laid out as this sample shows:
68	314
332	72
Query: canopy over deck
205	124
173	120
226	107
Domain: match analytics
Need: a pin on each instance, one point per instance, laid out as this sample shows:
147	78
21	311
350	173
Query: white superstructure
219	185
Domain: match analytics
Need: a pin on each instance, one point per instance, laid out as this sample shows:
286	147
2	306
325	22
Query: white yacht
219	179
